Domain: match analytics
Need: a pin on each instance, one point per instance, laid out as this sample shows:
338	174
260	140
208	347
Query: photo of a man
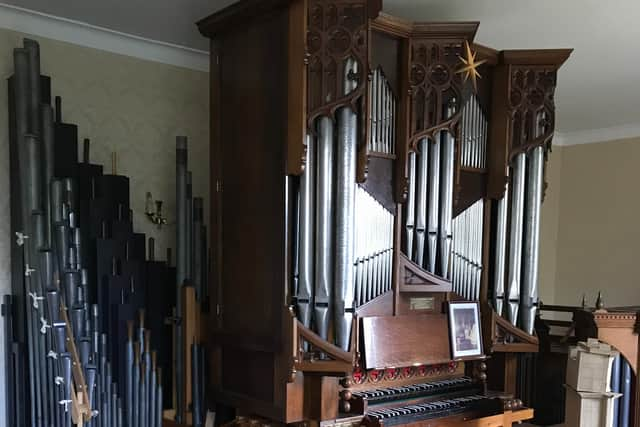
464	323
466	329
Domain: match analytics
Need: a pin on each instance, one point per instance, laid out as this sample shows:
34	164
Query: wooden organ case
360	177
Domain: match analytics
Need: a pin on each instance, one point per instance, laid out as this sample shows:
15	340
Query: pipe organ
375	178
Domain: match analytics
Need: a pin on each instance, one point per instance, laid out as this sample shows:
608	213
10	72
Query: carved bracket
504	337
317	355
415	279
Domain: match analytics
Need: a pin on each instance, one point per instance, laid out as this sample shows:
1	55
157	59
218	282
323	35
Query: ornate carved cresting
531	103
434	84
337	31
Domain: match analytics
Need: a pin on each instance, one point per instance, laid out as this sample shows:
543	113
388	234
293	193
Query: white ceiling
599	87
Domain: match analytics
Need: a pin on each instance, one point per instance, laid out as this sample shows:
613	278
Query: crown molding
592	136
80	33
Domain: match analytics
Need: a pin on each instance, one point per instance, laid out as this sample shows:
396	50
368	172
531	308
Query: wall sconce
155	216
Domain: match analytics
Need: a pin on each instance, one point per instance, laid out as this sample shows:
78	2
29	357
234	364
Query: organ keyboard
358	172
429	410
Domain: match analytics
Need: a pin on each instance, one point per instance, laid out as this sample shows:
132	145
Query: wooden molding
237	15
496	328
415	279
555	57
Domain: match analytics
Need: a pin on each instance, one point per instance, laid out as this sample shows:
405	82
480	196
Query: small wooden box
589	367
587	409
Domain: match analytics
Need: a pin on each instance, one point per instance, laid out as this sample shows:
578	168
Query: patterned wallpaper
126	105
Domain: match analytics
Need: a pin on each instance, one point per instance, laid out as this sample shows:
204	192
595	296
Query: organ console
368	171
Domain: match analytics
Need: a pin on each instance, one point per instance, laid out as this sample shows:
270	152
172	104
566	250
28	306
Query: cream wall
123	104
549	227
598	238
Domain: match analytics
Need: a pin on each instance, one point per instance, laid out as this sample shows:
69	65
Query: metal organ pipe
446	207
373	121
500	253
410	213
382	105
324	226
306	235
33	50
529	294
374	247
421	200
474	135
345	211
433	207
359	252
467	251
516	237
182	261
48	161
22	109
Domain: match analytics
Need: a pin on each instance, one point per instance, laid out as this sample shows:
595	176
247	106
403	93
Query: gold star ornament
469	69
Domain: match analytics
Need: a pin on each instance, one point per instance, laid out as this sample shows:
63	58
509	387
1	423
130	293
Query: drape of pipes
344	236
516	249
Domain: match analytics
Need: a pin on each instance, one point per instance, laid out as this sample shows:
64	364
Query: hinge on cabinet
218	187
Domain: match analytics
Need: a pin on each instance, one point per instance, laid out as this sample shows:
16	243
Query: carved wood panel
337	31
434	85
531	104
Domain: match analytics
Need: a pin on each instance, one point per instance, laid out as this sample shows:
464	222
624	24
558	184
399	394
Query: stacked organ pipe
467	251
109	409
191	270
382	121
325	284
621	382
48	237
428	216
182	260
373	248
517	297
143	388
474	135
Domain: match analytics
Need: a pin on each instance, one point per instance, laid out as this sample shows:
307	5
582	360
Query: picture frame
465	330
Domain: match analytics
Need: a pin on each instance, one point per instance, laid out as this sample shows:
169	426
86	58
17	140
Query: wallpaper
124	105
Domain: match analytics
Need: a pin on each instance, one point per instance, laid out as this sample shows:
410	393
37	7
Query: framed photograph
464	327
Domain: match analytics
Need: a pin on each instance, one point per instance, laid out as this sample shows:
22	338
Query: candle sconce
155	215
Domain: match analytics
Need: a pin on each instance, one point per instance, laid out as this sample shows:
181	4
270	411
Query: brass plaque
425	303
